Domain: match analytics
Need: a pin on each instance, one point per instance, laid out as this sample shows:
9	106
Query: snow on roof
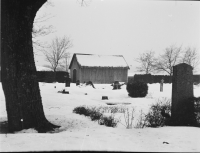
91	60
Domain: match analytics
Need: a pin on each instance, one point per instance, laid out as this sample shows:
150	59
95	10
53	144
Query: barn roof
92	60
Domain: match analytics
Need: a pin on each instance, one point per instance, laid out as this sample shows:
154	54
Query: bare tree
169	59
147	61
57	51
191	57
66	61
40	29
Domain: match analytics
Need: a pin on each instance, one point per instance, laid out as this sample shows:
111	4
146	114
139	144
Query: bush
82	110
197	110
129	117
108	121
141	122
196	101
154	117
94	115
137	89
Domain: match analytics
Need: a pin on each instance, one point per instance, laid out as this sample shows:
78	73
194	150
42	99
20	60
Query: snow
79	133
131	74
101	60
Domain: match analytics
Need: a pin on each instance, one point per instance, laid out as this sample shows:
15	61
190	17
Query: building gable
91	60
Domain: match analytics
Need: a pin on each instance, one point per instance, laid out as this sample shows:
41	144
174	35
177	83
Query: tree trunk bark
19	81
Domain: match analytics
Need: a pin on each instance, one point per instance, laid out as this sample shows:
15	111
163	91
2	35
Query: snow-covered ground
79	133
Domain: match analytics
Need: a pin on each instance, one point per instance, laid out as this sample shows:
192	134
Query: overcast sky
123	27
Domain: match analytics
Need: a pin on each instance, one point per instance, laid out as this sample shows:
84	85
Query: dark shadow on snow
4	127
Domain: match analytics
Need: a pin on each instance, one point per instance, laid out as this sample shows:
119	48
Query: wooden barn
98	68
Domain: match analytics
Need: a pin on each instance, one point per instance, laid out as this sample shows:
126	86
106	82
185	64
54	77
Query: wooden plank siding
98	75
103	75
76	66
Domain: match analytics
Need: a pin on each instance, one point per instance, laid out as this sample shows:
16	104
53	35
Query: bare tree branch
147	61
169	59
191	57
57	51
41	30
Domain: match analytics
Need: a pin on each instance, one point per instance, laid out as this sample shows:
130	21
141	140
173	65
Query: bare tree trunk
23	100
54	76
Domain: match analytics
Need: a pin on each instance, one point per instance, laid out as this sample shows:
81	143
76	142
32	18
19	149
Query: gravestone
182	89
67	80
116	85
104	97
161	85
77	82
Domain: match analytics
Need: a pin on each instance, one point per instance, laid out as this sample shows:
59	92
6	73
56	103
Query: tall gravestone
67	80
182	89
161	85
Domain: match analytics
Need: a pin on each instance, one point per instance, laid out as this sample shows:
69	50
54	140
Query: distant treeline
148	78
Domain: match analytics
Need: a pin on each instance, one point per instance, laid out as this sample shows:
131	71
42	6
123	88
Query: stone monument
182	112
67	80
161	85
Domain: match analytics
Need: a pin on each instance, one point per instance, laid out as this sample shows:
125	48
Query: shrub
197	110
129	117
117	109
141	122
154	117
137	89
111	109
95	115
108	121
82	110
196	101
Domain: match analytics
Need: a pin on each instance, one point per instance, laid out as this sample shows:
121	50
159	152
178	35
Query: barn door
74	76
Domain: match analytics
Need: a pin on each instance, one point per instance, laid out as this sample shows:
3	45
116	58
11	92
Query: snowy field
79	133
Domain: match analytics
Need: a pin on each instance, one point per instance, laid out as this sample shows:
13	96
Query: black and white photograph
100	75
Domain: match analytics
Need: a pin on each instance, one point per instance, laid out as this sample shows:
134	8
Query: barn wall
103	75
75	66
121	75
